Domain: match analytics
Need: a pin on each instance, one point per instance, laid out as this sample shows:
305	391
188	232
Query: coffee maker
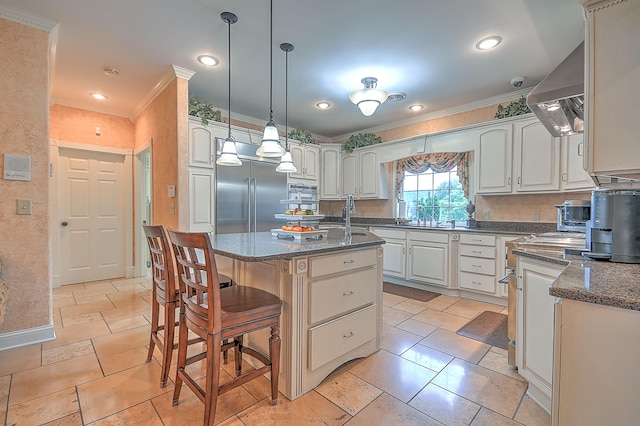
613	232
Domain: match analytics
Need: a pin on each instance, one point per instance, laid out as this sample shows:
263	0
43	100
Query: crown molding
173	72
444	112
25	18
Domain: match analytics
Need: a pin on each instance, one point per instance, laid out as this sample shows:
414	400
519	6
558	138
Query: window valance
438	162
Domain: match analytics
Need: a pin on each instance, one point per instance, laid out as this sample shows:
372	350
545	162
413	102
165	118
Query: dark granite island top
592	281
262	246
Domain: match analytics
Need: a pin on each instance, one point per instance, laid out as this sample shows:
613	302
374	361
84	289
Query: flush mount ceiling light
270	146
416	107
229	156
323	105
286	161
488	43
208	60
99	96
370	97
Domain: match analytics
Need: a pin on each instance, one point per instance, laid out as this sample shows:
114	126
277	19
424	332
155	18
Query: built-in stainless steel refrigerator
248	196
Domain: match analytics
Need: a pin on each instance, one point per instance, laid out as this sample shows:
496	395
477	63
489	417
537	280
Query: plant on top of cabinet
360	140
302	135
518	107
203	110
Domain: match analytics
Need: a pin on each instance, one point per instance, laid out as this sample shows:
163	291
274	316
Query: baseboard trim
16	339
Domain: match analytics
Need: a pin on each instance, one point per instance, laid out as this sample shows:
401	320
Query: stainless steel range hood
558	100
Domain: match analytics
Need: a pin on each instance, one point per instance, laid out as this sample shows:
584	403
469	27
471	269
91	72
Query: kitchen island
596	339
331	293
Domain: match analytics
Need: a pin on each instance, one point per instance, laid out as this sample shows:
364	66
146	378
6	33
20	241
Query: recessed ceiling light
99	96
396	96
207	60
323	105
416	107
488	43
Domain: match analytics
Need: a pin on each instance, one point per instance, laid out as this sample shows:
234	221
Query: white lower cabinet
596	374
477	263
429	257
395	251
535	326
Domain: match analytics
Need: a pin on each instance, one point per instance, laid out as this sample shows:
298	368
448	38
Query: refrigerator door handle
249	204
255	204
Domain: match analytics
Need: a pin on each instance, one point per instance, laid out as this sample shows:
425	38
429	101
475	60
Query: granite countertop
514	228
261	246
592	281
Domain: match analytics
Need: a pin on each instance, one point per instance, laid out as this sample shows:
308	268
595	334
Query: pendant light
229	156
270	146
286	162
369	98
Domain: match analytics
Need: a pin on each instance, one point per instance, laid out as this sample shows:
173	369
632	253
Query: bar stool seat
216	314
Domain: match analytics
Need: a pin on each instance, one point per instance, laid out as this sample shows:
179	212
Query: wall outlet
485	214
535	215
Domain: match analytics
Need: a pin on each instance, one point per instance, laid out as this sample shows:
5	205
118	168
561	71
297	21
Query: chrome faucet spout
350	207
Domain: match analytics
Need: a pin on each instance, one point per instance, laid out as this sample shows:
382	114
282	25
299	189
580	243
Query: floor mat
488	327
410	292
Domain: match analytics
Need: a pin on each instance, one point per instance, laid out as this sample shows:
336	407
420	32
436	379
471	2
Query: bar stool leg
154	325
212	384
274	356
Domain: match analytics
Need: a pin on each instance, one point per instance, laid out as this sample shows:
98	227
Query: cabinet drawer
477	282
334	296
488	252
432	237
400	234
478	265
335	338
478	239
343	262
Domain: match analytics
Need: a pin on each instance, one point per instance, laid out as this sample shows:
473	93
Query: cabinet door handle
476	266
476	283
348	336
350	293
509	181
476	251
580	149
564	176
518	180
349	261
404	250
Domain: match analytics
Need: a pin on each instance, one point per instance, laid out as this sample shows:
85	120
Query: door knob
65	223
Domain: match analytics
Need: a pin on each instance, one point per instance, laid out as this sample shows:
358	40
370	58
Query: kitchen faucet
350	207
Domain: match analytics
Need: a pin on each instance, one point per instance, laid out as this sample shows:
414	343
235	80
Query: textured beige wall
24	130
79	126
158	122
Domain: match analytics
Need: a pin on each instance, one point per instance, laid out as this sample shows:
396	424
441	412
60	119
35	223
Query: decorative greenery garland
203	110
518	107
359	140
304	136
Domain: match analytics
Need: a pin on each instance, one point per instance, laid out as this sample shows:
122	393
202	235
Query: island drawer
342	262
478	265
336	338
340	294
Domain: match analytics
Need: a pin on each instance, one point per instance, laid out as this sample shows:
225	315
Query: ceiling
425	48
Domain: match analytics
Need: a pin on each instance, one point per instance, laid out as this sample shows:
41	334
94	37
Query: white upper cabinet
494	159
574	176
306	158
202	147
537	157
363	176
611	88
330	171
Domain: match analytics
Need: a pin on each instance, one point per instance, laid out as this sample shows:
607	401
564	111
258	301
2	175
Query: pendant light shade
270	146
286	161
369	98
229	156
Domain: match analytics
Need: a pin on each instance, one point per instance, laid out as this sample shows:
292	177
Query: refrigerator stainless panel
247	197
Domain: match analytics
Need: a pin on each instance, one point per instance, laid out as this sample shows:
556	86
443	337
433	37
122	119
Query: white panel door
91	211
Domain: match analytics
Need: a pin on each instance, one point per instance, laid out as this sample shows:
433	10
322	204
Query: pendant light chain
271	61
229	68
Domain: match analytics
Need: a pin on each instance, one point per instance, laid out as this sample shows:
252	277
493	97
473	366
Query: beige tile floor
95	373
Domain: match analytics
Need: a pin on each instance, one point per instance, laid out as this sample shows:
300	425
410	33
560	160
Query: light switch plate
24	207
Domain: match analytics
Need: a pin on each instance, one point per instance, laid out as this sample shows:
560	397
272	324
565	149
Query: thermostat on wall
17	167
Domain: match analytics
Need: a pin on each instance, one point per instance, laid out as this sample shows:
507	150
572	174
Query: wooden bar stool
166	293
216	315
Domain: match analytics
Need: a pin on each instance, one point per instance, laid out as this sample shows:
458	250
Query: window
433	196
